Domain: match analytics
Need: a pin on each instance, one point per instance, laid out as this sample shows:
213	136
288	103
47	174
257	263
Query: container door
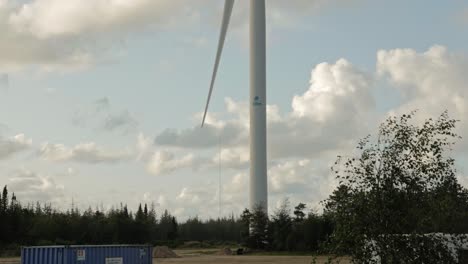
144	256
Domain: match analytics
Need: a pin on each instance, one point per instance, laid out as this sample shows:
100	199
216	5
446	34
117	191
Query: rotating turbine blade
228	5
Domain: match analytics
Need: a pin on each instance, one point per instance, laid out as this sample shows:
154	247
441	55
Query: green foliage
245	227
281	226
299	212
402	185
41	224
282	232
259	232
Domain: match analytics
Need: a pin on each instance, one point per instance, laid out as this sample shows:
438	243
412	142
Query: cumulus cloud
300	180
89	153
339	94
101	115
54	34
11	146
19	50
57	35
144	147
31	187
332	85
206	137
165	162
432	81
327	119
305	179
232	158
49	18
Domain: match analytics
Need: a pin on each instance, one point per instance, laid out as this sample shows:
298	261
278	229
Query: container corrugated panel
112	254
39	255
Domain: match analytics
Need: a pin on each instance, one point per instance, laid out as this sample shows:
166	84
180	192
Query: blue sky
108	95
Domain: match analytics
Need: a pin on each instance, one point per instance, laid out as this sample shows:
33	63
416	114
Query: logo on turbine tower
257	101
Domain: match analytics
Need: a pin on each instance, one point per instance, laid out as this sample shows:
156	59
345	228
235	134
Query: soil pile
163	252
225	252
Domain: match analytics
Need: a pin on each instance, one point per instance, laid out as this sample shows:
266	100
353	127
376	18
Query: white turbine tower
258	153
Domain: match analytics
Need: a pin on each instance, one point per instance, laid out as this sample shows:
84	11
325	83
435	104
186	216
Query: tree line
42	224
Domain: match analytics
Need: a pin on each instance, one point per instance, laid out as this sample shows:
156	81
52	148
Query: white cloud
49	18
165	162
229	133
188	197
300	180
232	158
339	94
431	82
72	172
20	50
57	35
64	35
301	143
144	147
290	174
328	119
334	87
82	153
303	179
31	187
11	146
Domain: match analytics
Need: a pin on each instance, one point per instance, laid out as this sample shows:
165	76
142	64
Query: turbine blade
228	5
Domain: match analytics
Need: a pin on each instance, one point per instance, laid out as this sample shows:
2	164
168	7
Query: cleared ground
207	256
10	260
246	259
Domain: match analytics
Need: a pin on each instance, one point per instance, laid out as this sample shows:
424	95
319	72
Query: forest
41	224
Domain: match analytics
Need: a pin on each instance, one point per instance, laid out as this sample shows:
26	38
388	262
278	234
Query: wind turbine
258	153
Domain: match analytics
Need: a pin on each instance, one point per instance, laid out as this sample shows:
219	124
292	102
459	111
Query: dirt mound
163	252
224	252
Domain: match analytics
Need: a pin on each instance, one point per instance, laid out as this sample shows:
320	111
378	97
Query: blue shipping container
112	254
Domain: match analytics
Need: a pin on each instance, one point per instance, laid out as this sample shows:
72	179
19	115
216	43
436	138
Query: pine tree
299	212
259	237
174	229
281	226
139	215
145	211
5	199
